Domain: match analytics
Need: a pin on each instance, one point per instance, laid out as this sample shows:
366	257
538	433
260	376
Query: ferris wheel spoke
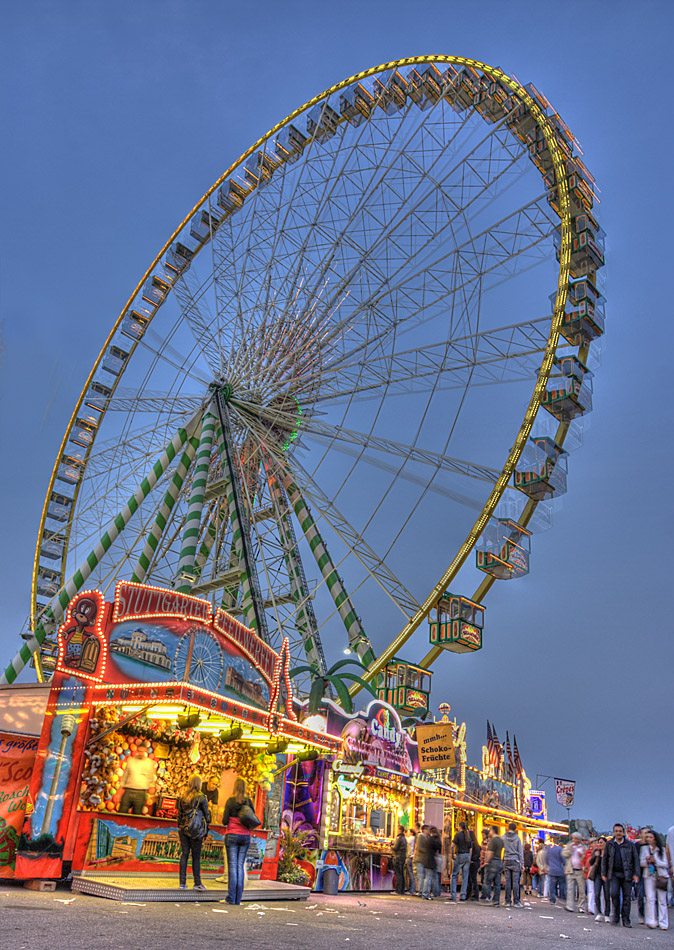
421	481
329	242
494	350
304	194
410	453
497	253
354	539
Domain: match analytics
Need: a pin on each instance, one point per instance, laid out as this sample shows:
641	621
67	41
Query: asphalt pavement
48	921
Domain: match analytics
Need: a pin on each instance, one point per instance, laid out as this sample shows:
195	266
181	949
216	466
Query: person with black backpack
239	820
194	818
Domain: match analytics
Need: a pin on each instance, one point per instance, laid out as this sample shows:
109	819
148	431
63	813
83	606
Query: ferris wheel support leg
58	604
251	601
196	505
307	626
164	512
358	639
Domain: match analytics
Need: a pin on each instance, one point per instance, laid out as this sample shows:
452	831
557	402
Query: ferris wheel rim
543	374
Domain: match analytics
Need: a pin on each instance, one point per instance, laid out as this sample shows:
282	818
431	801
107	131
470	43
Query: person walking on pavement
641	894
194	818
483	862
669	850
493	868
409	863
601	897
237	839
574	851
513	859
420	848
542	865
399	858
556	873
527	879
619	868
460	852
433	848
653	860
473	892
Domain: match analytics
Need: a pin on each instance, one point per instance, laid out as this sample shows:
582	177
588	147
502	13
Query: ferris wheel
198	659
333	370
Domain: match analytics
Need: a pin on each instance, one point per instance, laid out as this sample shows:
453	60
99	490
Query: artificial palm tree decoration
320	682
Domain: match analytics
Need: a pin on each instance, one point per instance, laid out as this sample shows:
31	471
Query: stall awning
213	704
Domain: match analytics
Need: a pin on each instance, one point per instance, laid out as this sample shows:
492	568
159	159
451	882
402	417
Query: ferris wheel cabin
504	550
583	320
404	686
542	469
569	392
458	624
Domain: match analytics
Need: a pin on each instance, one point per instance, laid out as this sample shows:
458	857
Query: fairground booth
161	671
361	795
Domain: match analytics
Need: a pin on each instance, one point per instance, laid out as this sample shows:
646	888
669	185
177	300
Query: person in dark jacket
619	867
193	820
473	892
491	888
237	841
528	864
433	848
399	858
420	848
461	850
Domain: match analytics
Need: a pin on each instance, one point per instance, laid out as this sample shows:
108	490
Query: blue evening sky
117	117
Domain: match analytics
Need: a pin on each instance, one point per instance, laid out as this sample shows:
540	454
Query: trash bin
330	881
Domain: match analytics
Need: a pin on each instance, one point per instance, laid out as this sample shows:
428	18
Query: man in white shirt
139	775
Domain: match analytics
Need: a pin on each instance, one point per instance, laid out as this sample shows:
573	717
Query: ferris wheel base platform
164	887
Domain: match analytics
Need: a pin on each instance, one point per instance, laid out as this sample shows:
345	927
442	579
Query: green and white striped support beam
358	639
58	604
305	619
165	510
195	508
251	601
204	551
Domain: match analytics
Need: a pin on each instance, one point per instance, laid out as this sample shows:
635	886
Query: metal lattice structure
343	347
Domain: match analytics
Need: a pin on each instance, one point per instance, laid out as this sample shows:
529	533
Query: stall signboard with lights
160	671
367	790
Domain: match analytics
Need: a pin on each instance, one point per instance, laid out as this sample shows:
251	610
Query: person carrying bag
193	820
239	820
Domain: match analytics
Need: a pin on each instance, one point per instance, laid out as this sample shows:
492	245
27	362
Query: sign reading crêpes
436	745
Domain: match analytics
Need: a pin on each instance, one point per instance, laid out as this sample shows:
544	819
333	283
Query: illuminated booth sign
151	646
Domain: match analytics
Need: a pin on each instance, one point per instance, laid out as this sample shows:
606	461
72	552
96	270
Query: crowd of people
600	877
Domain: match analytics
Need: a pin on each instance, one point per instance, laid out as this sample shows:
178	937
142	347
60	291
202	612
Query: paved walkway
44	921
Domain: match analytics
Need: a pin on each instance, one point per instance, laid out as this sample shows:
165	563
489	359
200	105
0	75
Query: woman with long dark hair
237	840
193	820
655	871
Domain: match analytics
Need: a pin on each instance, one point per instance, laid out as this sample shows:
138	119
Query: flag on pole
518	760
511	764
499	748
491	747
